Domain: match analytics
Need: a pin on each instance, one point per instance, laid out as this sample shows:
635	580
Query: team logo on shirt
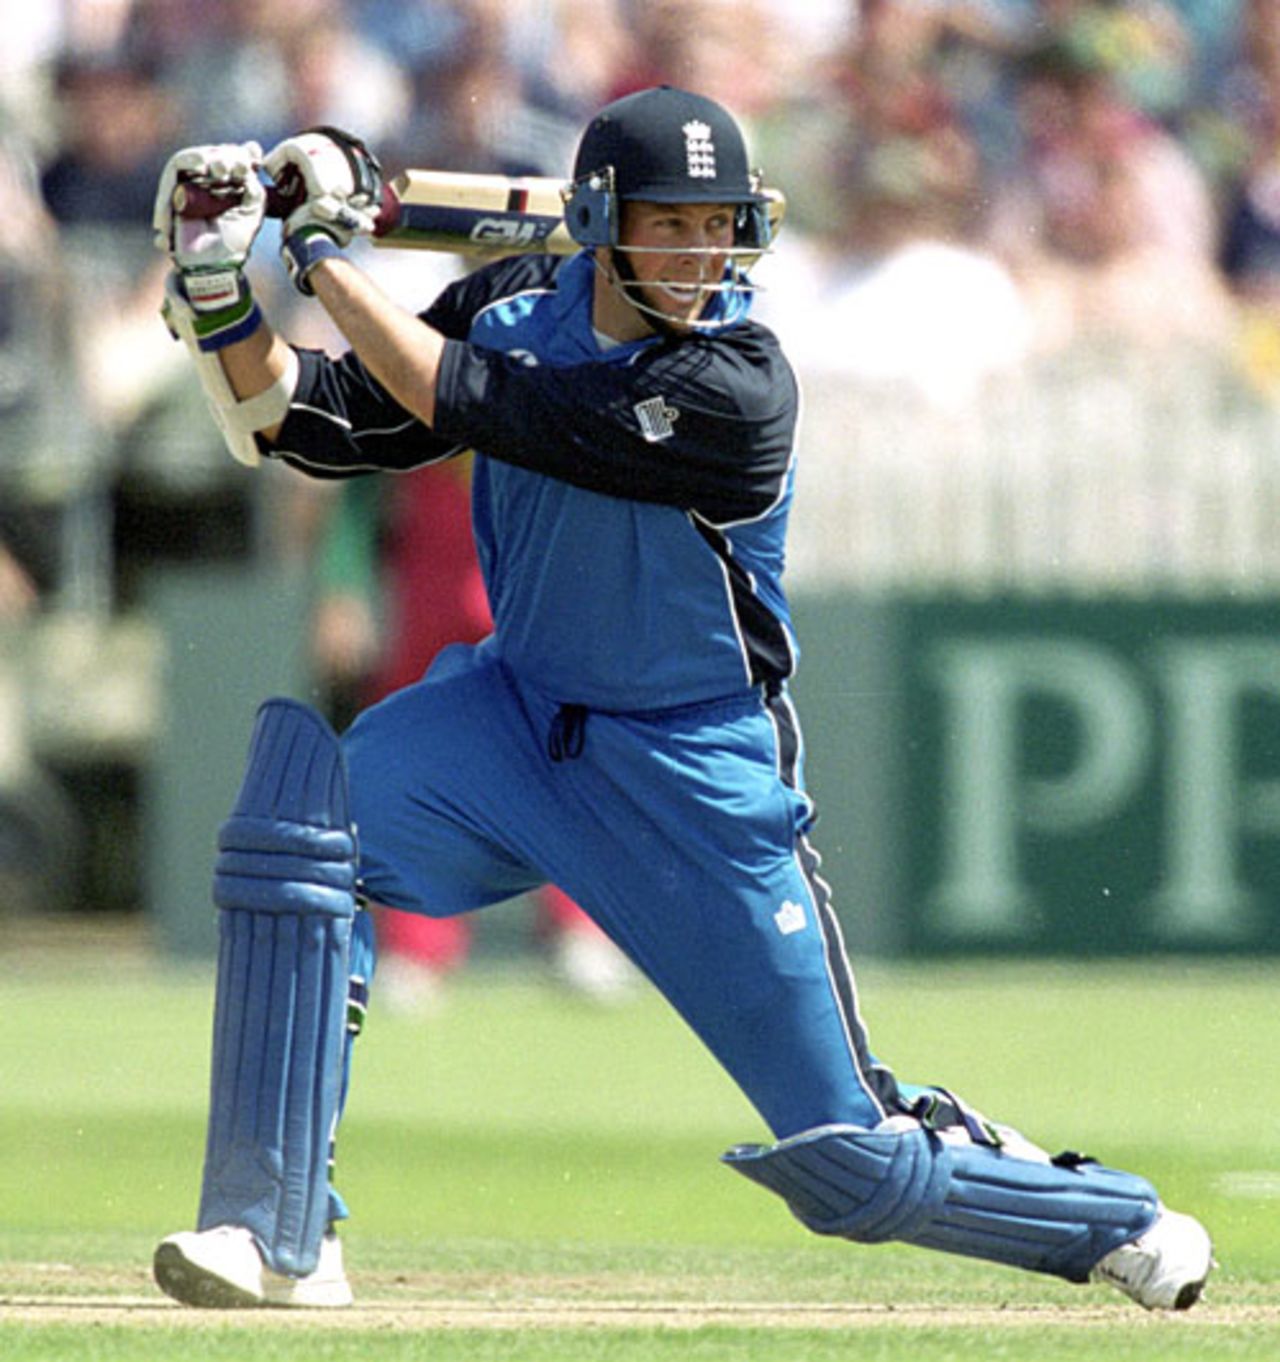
700	150
656	419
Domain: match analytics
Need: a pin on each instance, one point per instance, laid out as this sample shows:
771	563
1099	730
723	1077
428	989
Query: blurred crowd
969	182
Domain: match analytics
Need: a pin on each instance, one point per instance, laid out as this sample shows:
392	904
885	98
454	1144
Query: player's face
681	250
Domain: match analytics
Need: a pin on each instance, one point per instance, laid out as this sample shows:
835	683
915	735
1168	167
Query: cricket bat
445	210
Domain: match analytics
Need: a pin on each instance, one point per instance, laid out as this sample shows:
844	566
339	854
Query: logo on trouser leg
790	918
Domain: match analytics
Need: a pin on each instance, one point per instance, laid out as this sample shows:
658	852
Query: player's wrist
305	249
223	308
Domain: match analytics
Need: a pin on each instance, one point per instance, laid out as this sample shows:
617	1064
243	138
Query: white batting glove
221	242
210	252
338	184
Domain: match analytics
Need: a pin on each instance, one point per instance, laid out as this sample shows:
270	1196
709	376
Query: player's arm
250	374
399	349
395	356
246	376
257	364
343	190
342	418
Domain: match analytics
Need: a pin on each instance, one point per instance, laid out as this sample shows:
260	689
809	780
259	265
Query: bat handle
200	199
193	199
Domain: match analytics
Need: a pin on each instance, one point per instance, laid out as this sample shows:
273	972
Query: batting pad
918	1187
285	885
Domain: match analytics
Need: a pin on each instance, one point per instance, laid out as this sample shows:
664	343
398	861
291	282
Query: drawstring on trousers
568	732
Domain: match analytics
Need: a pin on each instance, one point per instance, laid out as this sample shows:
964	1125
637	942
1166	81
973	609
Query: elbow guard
236	419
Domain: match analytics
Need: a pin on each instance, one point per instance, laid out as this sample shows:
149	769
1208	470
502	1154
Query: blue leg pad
285	885
945	1192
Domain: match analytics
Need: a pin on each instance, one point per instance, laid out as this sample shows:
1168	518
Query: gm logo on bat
513	231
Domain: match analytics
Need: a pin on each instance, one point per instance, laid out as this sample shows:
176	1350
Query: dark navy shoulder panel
455	310
706	423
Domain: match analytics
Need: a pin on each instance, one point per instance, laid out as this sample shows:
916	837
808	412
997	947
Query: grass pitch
533	1178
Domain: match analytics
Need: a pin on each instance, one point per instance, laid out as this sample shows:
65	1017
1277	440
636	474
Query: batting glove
210	253
336	182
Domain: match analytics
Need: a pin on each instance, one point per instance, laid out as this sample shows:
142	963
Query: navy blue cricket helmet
663	145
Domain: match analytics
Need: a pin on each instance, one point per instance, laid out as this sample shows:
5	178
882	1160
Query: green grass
523	1153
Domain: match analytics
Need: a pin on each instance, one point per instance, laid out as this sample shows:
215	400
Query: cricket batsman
625	732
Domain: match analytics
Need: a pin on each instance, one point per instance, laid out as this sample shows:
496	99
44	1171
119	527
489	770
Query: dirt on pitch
53	1294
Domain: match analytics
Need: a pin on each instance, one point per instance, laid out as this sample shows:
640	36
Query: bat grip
194	199
191	199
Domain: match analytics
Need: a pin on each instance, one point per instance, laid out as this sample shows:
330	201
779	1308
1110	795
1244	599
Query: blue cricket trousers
681	832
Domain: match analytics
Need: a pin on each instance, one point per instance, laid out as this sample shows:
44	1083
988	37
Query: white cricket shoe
1165	1268
222	1269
